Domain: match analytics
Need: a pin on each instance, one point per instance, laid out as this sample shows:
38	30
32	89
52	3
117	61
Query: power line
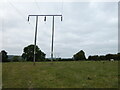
20	13
62	7
37	5
17	10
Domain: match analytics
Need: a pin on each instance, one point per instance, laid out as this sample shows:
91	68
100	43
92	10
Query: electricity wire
36	3
20	13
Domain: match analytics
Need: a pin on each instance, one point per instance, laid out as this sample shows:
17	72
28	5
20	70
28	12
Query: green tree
4	56
80	55
109	56
102	57
89	58
15	59
95	57
28	53
118	56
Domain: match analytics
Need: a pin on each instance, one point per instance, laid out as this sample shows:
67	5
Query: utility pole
35	38
52	39
36	33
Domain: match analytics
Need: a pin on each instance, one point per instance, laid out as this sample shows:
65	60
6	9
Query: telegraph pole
35	39
52	39
36	33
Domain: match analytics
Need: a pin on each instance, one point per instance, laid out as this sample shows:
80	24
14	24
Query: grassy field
70	74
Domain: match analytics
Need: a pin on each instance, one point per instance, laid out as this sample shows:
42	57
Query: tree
15	59
118	56
102	57
109	56
4	56
80	55
95	57
89	58
29	53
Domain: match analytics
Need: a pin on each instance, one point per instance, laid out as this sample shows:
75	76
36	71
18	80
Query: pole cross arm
45	16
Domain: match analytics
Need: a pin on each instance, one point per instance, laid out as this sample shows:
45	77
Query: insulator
45	18
28	18
61	18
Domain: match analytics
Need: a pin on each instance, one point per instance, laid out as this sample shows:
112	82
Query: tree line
81	56
105	57
28	53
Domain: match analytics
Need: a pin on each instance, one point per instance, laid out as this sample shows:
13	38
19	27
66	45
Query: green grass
70	74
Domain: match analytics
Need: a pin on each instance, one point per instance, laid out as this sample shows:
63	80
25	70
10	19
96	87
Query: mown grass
70	74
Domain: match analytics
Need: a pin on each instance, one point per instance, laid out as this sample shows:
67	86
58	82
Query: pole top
45	15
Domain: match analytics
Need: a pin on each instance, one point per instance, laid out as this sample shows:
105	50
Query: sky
88	26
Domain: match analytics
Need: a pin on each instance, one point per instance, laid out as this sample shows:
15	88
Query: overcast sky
88	26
